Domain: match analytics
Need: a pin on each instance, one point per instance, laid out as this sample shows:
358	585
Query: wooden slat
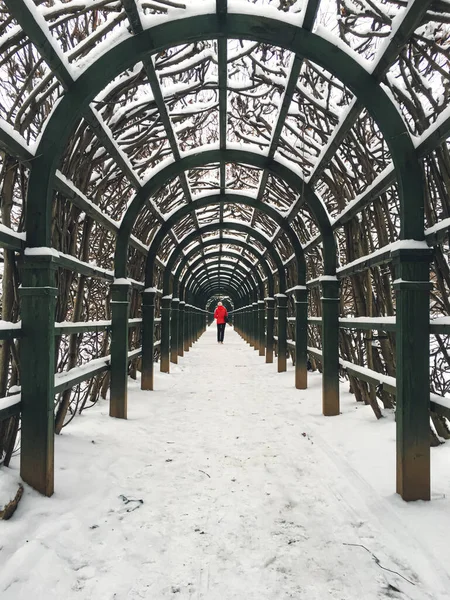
10	411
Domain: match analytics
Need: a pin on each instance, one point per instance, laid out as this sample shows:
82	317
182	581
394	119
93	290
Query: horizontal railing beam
67	328
9	406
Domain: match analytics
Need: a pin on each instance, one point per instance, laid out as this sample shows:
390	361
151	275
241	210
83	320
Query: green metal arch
213	297
227	260
211	300
204	244
215	288
209	200
237	227
231	257
236	26
194	280
225	281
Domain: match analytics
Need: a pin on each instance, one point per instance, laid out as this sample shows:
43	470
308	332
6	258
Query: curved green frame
412	264
236	227
194	280
227	284
204	244
228	298
210	300
230	26
213	199
208	278
226	259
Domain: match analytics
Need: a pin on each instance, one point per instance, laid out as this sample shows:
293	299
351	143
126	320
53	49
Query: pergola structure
212	147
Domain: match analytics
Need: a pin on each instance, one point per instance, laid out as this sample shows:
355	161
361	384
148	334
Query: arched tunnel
193	153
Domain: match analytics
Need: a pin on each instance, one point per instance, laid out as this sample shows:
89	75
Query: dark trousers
220	331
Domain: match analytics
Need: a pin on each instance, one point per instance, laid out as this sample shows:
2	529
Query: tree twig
377	560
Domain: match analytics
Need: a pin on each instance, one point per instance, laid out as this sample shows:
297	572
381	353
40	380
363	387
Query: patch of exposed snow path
248	494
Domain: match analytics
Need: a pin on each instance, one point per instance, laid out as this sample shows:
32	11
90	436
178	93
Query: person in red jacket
220	315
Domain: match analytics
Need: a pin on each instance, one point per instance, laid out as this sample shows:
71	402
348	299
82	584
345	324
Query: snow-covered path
247	493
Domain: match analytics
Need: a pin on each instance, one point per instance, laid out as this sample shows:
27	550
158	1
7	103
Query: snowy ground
247	492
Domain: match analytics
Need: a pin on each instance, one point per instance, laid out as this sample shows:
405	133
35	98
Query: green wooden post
270	310
174	331
164	365
248	317
120	304
191	325
251	323
301	337
195	326
148	338
37	356
181	326
282	332
412	290
261	327
255	321
187	316
330	345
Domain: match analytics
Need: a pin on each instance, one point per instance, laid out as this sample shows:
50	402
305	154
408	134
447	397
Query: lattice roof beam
222	57
37	36
308	22
410	22
437	136
205	280
13	147
136	27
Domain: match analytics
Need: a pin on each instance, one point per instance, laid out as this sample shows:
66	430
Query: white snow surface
247	492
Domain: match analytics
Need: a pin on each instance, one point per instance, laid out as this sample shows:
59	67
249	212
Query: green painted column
148	338
174	331
412	292
191	325
282	331
270	310
330	345
37	356
261	328
248	324
187	316
301	337
181	327
195	326
120	306
164	365
255	326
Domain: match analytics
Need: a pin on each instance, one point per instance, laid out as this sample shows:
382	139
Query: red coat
219	314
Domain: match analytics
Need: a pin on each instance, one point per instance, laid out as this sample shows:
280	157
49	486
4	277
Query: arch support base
148	345
120	304
37	351
412	290
301	338
330	346
164	365
270	309
282	332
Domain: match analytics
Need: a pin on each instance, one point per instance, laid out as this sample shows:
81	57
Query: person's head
219	304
